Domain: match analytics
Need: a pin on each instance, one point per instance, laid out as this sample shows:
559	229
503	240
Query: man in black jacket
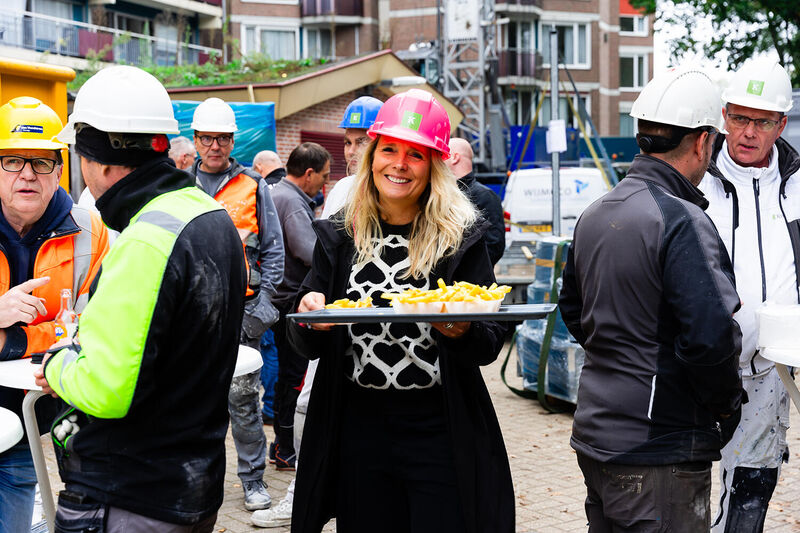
149	382
268	164
649	293
485	199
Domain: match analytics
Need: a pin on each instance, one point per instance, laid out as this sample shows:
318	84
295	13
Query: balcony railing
520	2
24	29
341	8
513	62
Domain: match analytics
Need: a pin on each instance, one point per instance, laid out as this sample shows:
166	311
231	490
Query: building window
276	44
633	25
632	72
518	35
626	125
564	110
318	44
573	43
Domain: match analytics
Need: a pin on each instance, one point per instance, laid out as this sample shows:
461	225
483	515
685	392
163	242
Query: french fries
344	303
460	291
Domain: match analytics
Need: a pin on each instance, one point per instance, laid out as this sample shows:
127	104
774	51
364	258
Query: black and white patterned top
386	355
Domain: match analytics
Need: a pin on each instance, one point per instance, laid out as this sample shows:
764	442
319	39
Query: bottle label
65	331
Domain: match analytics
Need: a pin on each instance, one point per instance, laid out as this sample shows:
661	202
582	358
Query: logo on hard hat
755	87
412	120
27	128
355	118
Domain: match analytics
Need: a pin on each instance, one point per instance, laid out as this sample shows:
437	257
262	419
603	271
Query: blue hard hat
361	113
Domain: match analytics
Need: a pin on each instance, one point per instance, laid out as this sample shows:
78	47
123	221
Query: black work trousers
396	469
291	371
645	499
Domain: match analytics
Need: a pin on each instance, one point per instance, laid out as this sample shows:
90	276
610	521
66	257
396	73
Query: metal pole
40	466
554	116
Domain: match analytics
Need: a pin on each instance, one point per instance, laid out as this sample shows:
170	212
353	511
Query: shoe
256	495
278	516
282	461
266	419
271	453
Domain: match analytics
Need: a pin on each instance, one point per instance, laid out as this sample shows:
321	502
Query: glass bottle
67	318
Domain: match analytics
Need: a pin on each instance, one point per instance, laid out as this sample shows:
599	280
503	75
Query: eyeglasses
740	122
39	165
208	140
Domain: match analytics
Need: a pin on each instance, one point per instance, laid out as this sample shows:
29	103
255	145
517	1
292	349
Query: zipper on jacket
757	191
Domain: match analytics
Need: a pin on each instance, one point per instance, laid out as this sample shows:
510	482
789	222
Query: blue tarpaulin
256	123
536	154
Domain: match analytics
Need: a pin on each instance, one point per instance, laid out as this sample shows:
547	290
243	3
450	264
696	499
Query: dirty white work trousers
751	461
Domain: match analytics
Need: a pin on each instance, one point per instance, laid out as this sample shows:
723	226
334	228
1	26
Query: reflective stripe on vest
239	198
163	220
81	257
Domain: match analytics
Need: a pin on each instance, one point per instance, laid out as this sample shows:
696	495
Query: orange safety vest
71	256
239	198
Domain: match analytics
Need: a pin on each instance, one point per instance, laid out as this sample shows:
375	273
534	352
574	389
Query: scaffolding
469	60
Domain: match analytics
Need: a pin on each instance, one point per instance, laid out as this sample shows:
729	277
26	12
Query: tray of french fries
459	302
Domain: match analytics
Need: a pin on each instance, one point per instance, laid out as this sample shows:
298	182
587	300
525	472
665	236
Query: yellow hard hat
26	122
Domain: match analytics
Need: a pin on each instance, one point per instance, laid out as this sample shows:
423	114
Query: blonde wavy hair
437	230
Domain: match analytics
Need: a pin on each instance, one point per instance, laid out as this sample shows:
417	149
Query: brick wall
323	117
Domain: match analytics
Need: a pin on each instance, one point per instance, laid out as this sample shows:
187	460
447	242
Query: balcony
517	6
517	63
42	33
332	11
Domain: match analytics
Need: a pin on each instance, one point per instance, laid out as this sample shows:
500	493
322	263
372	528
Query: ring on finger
449	325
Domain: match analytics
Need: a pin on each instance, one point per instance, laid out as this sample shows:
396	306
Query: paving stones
548	484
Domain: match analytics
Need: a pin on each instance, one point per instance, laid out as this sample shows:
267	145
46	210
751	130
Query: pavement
548	484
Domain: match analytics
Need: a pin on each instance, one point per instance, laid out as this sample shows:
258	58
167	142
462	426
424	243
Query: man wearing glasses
245	196
43	236
754	194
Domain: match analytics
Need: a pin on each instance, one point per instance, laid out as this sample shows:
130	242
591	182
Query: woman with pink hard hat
401	434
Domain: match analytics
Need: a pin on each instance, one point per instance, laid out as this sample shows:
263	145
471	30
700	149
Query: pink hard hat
414	116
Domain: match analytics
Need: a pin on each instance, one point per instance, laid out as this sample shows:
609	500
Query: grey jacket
649	293
259	311
296	215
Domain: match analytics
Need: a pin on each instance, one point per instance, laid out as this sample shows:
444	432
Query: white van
528	199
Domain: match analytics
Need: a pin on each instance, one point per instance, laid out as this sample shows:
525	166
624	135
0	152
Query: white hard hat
681	97
214	115
122	99
760	83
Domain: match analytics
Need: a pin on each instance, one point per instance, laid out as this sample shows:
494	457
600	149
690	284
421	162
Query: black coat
491	208
481	462
649	293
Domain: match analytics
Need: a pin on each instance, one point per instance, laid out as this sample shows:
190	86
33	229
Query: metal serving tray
366	315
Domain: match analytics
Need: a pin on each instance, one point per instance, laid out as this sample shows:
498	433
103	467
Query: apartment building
134	32
296	29
607	46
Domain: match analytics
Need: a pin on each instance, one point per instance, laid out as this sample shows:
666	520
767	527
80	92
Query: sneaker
256	495
278	516
282	461
271	454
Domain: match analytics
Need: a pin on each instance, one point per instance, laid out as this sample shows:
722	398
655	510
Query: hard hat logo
27	128
412	120
355	118
755	87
